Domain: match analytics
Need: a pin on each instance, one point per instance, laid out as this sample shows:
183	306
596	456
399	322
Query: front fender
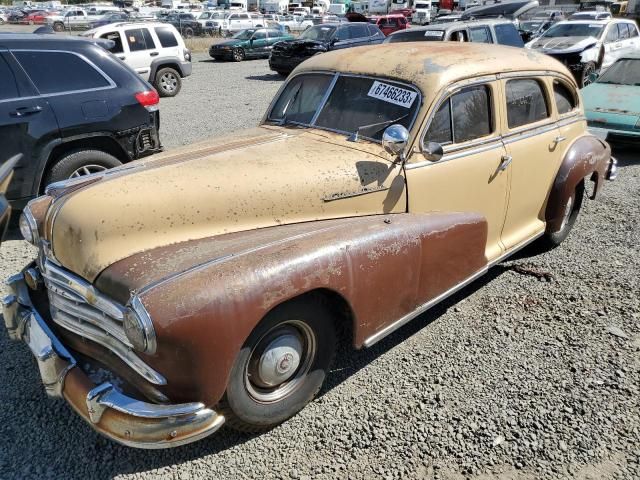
587	158
384	267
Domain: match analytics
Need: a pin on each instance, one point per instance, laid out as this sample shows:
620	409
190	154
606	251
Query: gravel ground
531	373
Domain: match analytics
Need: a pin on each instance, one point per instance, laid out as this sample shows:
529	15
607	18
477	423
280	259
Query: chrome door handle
558	139
505	162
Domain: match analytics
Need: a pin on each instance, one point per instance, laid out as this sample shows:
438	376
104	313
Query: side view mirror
593	76
433	151
395	139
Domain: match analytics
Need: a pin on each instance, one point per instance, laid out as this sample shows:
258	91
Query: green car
612	101
249	43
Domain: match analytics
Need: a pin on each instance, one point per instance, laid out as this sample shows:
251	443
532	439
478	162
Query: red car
390	23
35	18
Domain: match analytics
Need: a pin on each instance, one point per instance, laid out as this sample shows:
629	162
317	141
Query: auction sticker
389	93
433	33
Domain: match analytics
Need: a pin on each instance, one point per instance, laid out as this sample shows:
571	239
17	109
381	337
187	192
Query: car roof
46	41
433	65
462	24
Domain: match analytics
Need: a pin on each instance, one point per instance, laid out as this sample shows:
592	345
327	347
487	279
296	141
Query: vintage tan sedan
211	281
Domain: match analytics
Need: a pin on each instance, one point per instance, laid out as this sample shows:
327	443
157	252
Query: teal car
249	43
612	101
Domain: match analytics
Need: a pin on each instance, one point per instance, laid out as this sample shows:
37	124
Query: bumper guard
119	417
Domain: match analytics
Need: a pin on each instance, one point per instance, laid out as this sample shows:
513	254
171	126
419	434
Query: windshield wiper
356	135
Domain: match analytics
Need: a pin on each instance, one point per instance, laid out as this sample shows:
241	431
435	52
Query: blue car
110	18
612	101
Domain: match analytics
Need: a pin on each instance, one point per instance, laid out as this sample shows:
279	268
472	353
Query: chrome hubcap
280	361
87	170
567	213
168	82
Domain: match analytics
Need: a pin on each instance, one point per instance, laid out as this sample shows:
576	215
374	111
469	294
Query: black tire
587	69
67	166
188	32
282	73
238	54
572	209
58	27
167	82
244	405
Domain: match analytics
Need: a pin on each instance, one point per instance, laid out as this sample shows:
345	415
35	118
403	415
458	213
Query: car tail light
149	99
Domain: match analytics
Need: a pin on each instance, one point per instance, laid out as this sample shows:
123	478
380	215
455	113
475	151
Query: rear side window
166	37
612	34
623	30
465	116
633	30
372	30
480	35
343	33
565	99
359	31
49	71
136	39
525	102
506	34
8	87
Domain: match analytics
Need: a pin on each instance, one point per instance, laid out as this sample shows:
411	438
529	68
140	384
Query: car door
471	175
342	38
27	125
273	36
140	50
612	45
634	39
359	34
534	147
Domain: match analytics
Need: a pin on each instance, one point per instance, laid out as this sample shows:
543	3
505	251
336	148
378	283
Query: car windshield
625	71
245	34
530	25
320	33
574	30
354	104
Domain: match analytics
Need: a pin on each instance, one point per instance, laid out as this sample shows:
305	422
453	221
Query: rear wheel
281	367
79	163
570	214
168	82
58	27
188	32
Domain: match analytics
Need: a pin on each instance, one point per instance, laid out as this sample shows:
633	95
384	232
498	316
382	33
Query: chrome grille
77	306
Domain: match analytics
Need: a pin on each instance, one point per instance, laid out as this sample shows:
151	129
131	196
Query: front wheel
281	367
58	27
570	214
238	55
188	32
587	69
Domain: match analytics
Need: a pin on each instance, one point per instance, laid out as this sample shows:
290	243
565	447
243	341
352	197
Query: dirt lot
532	372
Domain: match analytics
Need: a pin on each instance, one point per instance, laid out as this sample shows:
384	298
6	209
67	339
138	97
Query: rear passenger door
140	50
27	125
612	46
534	147
166	40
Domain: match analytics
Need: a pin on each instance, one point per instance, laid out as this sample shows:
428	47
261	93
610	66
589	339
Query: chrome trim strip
524	133
459	153
376	337
569	119
149	332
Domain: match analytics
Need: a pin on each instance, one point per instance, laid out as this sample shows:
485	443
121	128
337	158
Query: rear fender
586	159
384	267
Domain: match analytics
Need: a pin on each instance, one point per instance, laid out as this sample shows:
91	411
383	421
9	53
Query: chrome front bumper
123	419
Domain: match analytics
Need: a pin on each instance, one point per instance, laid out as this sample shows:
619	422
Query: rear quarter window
49	71
506	34
359	31
564	97
167	37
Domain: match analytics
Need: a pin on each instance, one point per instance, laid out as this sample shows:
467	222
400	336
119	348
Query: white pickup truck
234	22
73	18
295	23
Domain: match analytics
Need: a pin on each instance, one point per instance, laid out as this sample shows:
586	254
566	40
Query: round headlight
28	227
138	327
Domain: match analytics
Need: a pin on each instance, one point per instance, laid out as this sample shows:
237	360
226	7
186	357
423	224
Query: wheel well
166	65
339	309
104	144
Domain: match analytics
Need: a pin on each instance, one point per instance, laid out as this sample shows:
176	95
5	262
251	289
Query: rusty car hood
259	178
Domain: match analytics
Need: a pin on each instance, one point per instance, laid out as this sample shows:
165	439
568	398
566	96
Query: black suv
70	108
287	55
185	23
